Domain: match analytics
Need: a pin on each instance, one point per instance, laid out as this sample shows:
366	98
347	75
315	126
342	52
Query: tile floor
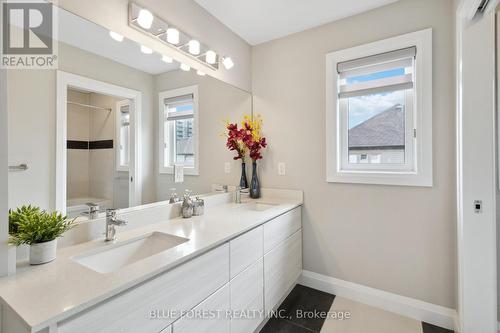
300	313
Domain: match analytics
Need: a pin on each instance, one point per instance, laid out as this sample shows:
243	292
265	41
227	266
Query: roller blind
179	107
379	73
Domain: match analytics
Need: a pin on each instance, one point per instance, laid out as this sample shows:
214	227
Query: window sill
381	178
187	171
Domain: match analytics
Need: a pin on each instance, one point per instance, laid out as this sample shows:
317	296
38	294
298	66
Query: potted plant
39	229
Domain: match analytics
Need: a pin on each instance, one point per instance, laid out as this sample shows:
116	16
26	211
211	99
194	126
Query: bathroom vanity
220	272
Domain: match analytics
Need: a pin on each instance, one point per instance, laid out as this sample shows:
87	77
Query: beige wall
217	101
188	16
398	239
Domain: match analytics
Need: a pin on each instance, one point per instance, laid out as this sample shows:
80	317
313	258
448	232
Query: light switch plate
281	169
178	173
227	167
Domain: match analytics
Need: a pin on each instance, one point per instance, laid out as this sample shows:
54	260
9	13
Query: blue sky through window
376	76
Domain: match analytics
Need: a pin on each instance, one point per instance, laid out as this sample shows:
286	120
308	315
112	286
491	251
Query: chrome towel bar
20	167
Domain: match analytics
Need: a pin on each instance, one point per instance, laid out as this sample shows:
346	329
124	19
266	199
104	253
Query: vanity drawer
214	308
245	250
247	296
282	268
280	228
177	290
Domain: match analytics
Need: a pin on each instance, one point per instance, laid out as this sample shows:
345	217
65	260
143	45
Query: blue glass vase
254	184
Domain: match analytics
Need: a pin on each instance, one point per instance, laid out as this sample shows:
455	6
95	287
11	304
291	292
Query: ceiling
259	21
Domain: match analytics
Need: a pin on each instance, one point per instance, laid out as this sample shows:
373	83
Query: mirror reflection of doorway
98	152
97	146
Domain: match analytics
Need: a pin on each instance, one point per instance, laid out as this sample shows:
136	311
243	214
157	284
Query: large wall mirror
110	127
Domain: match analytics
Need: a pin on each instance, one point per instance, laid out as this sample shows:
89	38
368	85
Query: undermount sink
260	206
128	252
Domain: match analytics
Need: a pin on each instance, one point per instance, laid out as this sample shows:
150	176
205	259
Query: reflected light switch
281	169
227	167
178	173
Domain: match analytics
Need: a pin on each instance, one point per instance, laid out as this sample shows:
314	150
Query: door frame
67	80
476	173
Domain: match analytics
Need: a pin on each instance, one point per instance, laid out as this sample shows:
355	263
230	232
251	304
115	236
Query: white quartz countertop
46	294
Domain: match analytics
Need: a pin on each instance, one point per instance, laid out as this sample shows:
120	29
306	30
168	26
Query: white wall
218	101
4	230
476	130
398	239
188	16
78	180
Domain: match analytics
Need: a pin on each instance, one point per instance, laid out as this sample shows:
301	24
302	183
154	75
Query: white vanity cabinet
209	316
179	289
226	290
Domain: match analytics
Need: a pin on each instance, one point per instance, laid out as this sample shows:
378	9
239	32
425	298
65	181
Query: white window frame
190	171
419	172
118	140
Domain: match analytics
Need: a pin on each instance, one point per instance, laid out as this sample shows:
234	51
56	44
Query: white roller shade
175	102
353	74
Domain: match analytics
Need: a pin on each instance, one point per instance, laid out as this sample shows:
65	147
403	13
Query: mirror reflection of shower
98	153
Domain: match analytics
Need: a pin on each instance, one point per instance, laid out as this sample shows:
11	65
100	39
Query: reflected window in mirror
179	130
123	135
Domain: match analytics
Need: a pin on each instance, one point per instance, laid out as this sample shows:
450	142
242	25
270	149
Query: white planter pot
42	253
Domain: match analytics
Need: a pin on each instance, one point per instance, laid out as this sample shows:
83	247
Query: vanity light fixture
227	62
116	36
194	47
145	18
200	73
210	57
146	50
167	59
173	36
185	67
162	31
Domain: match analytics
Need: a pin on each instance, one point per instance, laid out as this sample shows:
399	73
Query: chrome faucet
238	193
93	211
111	222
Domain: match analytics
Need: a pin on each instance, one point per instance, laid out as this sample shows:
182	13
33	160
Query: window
379	112
123	109
179	130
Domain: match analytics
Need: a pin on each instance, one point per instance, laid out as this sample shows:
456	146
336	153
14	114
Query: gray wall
398	239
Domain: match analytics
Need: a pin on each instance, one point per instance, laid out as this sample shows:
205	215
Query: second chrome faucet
111	222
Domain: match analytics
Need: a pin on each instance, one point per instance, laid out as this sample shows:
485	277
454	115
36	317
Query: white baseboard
409	307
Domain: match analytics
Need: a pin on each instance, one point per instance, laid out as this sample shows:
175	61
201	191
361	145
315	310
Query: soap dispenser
187	205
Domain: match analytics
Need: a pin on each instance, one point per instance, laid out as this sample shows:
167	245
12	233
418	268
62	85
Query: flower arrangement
248	138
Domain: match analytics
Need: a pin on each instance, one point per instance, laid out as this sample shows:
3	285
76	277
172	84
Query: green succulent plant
31	225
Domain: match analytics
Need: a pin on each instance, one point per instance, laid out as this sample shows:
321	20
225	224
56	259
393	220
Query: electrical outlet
227	167
281	169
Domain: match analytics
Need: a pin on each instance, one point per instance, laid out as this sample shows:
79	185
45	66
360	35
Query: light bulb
173	36
200	73
194	47
145	18
185	67
146	50
167	59
116	36
211	57
228	62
